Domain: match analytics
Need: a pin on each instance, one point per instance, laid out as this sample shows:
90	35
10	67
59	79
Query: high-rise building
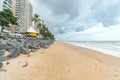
22	9
23	12
19	12
5	4
29	13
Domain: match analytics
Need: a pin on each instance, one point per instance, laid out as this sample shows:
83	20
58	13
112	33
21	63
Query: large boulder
25	50
34	46
43	45
11	52
13	45
3	46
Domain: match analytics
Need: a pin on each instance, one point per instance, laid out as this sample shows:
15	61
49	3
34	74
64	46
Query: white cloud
93	29
107	33
97	32
83	20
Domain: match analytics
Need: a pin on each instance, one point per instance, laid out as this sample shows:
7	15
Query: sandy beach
62	62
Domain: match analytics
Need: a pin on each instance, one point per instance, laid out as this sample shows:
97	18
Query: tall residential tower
22	9
23	12
5	4
29	13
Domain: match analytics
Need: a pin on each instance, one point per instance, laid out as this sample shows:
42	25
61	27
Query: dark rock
17	53
1	65
33	50
1	36
10	48
25	50
7	63
2	52
14	52
16	45
3	41
43	45
3	58
34	46
13	45
3	46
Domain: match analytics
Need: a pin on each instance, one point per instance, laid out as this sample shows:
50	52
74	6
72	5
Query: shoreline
98	54
102	50
63	61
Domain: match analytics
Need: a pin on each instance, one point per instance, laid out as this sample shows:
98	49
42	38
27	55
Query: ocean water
106	47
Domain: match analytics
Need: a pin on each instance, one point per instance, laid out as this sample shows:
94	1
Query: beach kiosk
31	32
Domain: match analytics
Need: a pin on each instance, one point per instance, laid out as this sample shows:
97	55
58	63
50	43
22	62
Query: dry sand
62	62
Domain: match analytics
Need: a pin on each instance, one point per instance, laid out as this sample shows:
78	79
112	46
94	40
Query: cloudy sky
76	20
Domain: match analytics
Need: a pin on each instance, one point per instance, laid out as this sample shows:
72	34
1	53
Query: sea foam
106	47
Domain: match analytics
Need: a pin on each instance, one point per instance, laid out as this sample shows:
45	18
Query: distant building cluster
22	9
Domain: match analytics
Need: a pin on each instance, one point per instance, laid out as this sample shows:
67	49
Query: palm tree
37	22
39	25
35	19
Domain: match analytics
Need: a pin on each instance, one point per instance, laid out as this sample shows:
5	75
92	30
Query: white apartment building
24	12
19	12
28	15
5	4
22	9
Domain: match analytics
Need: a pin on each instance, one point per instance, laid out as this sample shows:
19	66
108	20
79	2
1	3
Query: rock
3	58
34	46
13	45
7	63
17	53
25	50
3	46
3	41
43	45
25	64
2	52
33	50
10	48
11	53
1	65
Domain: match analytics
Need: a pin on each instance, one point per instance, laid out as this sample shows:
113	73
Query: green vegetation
7	18
37	21
43	29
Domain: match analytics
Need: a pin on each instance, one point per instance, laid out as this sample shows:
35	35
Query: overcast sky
79	20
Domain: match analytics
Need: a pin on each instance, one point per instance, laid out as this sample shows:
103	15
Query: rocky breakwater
11	47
